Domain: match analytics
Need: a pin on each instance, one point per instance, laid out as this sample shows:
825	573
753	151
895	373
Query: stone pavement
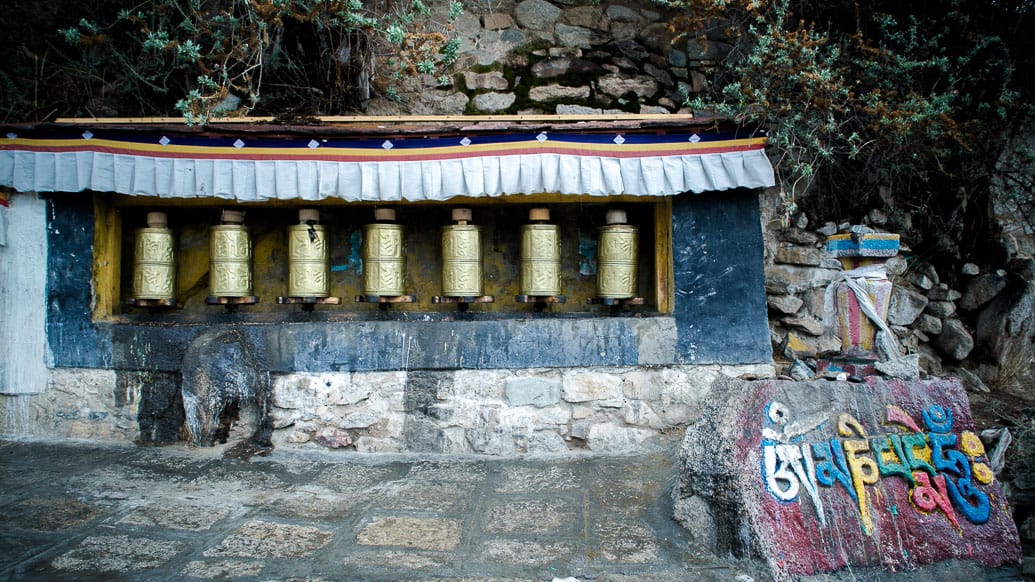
75	511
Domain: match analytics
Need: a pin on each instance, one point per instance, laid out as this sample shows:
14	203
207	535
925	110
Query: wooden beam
664	277
366	119
107	257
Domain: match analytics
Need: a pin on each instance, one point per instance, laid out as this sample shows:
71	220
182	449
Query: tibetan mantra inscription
887	474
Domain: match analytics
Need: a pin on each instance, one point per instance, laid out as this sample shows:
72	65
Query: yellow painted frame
107	256
107	260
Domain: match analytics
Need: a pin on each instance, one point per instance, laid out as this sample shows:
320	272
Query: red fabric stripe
380	157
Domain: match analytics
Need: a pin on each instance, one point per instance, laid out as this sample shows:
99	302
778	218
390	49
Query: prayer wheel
540	255
230	269
382	251
307	256
154	260
617	254
461	256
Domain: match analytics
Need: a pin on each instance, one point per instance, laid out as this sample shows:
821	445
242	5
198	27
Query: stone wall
492	412
564	57
976	330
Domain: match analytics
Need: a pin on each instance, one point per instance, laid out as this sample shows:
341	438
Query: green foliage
879	103
210	58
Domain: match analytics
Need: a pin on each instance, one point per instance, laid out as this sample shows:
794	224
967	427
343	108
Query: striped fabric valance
250	167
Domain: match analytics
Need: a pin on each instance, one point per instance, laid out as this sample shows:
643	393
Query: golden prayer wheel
230	269
154	260
617	254
461	256
307	256
382	250
540	255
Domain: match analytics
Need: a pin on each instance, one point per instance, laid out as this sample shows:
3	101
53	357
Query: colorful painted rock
820	476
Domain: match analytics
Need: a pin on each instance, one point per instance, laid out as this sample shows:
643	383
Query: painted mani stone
939	477
891	474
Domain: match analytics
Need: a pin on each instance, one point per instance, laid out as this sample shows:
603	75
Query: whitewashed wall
23	259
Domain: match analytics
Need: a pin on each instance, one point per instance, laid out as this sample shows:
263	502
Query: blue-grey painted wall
719	315
718	255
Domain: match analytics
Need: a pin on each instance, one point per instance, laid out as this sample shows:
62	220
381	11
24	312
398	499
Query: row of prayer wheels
230	274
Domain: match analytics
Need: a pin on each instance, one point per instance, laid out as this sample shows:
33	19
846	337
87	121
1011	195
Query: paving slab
75	511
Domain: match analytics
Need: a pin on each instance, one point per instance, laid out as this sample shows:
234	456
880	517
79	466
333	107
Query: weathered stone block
618	85
564	109
795	347
903	368
534	391
491	80
578	36
580	411
942	292
619	13
797	255
492	102
895	266
653	110
307	391
585	16
905	305
659	74
332	438
787	304
546	441
427	533
954	341
537	15
555	92
531	418
360	420
981	290
805	324
492	441
941	309
929	324
497	20
612	438
677	58
791	279
639	413
581	386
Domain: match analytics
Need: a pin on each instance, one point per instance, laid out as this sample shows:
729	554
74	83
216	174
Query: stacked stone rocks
493	412
980	331
563	57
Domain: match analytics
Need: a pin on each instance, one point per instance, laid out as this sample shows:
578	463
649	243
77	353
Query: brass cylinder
154	260
461	257
617	256
230	269
307	257
540	256
383	262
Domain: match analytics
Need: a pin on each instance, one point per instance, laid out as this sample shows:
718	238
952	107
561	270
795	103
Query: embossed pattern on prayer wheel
617	253
307	257
154	260
230	269
383	262
540	259
461	257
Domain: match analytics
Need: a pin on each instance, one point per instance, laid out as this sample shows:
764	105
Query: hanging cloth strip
402	167
860	282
